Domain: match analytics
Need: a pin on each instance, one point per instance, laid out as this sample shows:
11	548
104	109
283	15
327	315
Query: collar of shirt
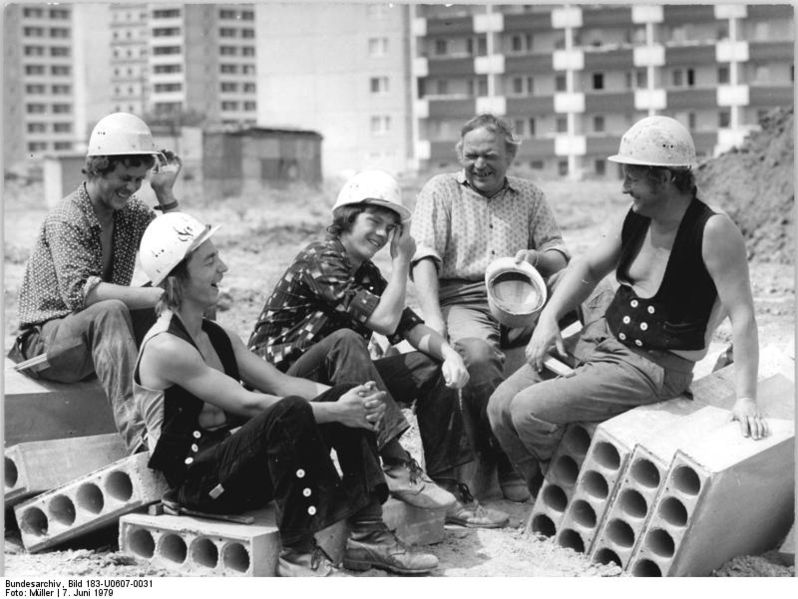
335	243
462	180
85	206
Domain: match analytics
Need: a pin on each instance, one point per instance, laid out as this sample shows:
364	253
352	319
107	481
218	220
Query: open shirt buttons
633	303
312	510
300	473
306	492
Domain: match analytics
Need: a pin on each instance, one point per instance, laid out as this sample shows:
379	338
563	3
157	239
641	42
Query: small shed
235	162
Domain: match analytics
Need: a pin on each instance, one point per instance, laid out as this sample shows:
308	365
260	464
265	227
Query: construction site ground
262	232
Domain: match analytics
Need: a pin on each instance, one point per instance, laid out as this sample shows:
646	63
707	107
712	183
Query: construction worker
321	315
681	267
462	222
188	385
76	305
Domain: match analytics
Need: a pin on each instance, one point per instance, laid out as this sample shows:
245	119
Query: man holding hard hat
76	305
681	268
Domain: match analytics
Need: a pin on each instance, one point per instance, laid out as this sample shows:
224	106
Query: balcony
770	95
536	147
452	108
450	66
693	54
617	58
691	98
607	16
602	145
762	51
450	26
533	105
536	64
609	102
527	22
683	14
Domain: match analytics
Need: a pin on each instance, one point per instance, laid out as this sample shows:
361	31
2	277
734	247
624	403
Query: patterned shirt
320	293
463	231
67	262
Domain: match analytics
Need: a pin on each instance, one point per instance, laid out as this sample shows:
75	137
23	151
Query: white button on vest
634	303
651	309
626	320
638	343
197	434
622	336
300	473
306	492
643	326
194	447
188	461
312	510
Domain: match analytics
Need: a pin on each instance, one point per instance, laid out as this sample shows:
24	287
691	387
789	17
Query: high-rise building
572	79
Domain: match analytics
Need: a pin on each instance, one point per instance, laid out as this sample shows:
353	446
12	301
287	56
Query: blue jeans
103	338
343	358
528	414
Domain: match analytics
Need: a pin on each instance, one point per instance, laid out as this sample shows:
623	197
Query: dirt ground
260	235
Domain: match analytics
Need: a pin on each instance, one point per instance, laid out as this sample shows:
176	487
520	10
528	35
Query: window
518	127
562	168
62	108
378	85
166	68
165	87
559	83
62	127
380	124
61	89
33	31
598	123
690	77
537	165
677	77
441	47
530	85
166	14
33	12
482	86
59	51
34	51
250	105
162	50
227	86
35	108
227	32
642	78
517	43
60	70
561	124
34	69
228	105
37	146
691	121
247	33
61	32
378	46
165	31
227	14
598	80
228	68
247	15
248	69
227	50
59	13
532	127
37	128
442	87
249	88
600	167
724	119
62	145
35	89
518	85
247	51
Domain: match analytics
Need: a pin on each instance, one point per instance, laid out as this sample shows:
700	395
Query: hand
752	423
164	174
362	407
153	294
530	256
545	336
454	371
402	243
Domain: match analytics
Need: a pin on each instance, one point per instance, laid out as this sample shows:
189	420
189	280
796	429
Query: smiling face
112	190
369	233
205	271
645	192
485	160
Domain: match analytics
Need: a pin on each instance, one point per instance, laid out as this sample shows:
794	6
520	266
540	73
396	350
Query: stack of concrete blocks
35	467
559	484
88	503
202	547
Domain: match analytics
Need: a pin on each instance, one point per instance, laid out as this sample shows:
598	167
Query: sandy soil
260	236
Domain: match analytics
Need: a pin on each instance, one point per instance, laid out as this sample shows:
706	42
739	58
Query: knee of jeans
347	337
477	352
497	408
523	419
293	408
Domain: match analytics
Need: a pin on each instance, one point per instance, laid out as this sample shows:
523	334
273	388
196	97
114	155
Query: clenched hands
362	407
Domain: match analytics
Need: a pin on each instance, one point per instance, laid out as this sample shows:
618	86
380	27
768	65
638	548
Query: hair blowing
172	285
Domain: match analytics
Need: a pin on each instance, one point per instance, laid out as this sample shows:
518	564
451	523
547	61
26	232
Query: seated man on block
463	221
681	266
187	384
76	305
322	313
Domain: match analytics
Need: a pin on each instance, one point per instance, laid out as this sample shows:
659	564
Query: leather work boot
469	512
316	563
409	483
381	549
513	487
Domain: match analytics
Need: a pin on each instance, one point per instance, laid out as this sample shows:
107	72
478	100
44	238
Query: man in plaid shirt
317	323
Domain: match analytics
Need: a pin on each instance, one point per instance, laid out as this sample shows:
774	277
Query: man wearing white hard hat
321	315
76	306
463	221
225	448
681	268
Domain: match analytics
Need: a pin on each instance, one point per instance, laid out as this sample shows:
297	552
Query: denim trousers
529	414
103	338
343	358
284	455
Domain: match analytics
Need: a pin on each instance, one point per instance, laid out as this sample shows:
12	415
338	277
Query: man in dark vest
682	268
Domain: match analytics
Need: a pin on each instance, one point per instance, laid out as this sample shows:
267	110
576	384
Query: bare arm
546	262
163	176
388	313
725	257
425	276
429	341
133	297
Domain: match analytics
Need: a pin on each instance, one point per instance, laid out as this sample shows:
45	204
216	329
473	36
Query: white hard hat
121	133
373	187
656	141
167	240
516	292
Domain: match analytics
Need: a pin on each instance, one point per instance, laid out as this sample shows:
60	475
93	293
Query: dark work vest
181	429
676	316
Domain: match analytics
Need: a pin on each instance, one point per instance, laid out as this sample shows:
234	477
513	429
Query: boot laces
416	473
318	558
465	493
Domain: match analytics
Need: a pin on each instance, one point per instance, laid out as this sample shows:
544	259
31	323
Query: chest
107	249
647	268
211	415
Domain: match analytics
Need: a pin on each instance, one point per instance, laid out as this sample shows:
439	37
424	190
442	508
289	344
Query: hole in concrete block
566	470
595	484
204	552
11	474
645	567
62	510
555	498
633	504
572	540
646	473
607	556
33	521
141	542
90	498
607	455
686	480
119	485
620	533
577	440
173	548
673	512
236	557
583	513
660	543
544	525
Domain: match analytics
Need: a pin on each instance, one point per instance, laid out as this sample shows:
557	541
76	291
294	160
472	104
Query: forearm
289	385
746	354
426	282
575	287
387	314
550	262
133	297
425	339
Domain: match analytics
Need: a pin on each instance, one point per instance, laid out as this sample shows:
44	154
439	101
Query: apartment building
342	70
572	79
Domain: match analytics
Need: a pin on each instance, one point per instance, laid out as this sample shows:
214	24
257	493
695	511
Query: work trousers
103	338
284	455
343	358
528	414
